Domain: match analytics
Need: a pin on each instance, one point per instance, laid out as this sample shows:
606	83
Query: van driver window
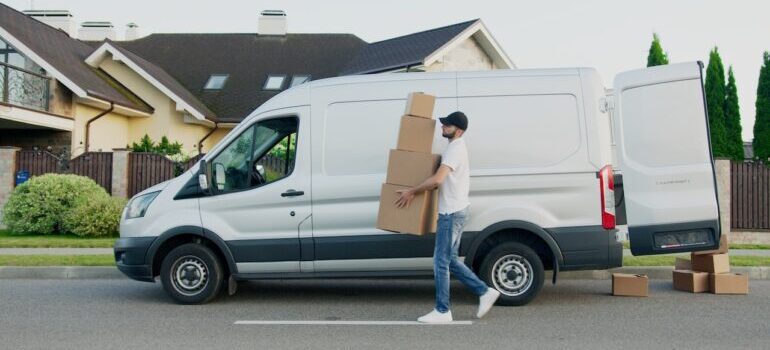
262	154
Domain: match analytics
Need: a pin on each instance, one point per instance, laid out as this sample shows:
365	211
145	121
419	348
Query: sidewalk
56	251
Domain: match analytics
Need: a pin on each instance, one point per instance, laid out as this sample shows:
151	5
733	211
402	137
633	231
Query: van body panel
664	153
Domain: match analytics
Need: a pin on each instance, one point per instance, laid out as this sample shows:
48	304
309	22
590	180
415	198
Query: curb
759	273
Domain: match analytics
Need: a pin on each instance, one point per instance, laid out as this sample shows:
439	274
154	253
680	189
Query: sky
611	36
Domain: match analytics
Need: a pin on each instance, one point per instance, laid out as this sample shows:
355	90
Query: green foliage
762	121
164	147
733	119
40	205
715	99
656	56
98	217
279	150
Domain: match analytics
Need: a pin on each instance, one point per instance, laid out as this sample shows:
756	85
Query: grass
626	245
57	260
10	240
668	260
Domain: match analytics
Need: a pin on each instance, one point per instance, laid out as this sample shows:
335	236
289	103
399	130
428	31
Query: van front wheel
191	274
515	270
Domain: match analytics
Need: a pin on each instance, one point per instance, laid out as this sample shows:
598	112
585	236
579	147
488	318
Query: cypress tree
733	119
715	99
761	141
656	56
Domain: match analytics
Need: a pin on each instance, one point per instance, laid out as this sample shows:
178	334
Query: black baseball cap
457	119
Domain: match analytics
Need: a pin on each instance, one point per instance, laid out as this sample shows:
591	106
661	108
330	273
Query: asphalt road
124	314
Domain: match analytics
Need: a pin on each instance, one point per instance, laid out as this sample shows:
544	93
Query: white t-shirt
453	192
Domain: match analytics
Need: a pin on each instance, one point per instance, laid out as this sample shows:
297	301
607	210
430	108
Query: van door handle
292	193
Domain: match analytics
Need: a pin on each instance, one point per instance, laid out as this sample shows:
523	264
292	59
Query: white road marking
351	323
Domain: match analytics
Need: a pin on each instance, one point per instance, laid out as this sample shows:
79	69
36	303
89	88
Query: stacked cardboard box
409	165
709	271
630	285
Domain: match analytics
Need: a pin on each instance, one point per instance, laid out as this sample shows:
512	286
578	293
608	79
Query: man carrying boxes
453	181
709	271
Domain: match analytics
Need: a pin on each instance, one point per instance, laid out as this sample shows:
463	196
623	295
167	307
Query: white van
293	190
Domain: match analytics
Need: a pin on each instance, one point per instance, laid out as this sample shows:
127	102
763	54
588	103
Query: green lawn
668	260
732	246
9	240
57	260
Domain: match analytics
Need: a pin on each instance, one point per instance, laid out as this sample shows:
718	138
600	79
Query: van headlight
137	207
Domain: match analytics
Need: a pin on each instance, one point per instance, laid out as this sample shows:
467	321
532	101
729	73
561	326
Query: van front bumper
131	257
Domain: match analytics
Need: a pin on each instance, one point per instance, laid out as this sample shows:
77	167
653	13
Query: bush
95	218
40	205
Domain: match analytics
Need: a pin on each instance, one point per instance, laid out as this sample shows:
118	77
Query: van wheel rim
512	275
189	275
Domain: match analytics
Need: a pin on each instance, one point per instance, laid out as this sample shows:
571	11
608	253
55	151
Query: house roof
64	55
159	75
247	59
404	50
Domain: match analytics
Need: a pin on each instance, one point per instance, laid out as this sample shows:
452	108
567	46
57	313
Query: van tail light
607	191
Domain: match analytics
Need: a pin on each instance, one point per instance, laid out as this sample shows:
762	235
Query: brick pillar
723	193
7	176
120	172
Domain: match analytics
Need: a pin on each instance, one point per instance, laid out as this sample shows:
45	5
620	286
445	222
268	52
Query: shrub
95	218
39	205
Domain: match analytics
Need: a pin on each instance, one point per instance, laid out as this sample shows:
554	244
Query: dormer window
274	82
216	82
299	79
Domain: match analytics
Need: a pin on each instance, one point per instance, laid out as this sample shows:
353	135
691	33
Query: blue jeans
446	259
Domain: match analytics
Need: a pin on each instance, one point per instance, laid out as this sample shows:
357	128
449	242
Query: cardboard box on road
416	134
420	104
712	263
418	218
729	283
723	247
407	168
624	284
691	281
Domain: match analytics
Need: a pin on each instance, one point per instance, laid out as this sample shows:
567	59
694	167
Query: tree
762	122
715	100
733	119
656	57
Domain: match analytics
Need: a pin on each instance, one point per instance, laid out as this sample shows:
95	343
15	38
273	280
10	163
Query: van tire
191	274
524	277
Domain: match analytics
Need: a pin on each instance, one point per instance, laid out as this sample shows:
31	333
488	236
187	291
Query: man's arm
430	183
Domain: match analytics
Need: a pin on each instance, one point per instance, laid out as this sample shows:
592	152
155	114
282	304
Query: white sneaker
436	317
486	302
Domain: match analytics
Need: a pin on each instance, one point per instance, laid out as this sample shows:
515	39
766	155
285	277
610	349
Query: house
85	91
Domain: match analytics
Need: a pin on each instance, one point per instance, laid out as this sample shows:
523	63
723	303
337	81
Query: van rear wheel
191	274
515	270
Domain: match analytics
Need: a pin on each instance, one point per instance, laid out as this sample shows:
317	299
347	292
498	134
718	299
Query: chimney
272	22
132	31
96	31
59	19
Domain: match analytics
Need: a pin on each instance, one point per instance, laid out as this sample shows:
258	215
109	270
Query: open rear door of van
664	153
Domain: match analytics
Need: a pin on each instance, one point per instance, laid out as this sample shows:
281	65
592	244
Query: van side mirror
203	182
219	176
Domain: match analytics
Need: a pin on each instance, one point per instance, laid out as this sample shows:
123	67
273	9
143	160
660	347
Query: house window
274	82
299	79
216	82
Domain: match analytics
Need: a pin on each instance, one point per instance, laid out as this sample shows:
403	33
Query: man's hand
405	197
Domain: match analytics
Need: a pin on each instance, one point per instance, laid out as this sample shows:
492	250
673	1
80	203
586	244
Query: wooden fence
148	169
96	165
749	196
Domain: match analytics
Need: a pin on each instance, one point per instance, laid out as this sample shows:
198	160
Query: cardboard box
625	284
416	134
407	168
729	283
691	281
723	247
682	264
713	263
420	104
418	218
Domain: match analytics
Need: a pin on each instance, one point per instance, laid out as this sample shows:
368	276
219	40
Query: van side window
262	154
